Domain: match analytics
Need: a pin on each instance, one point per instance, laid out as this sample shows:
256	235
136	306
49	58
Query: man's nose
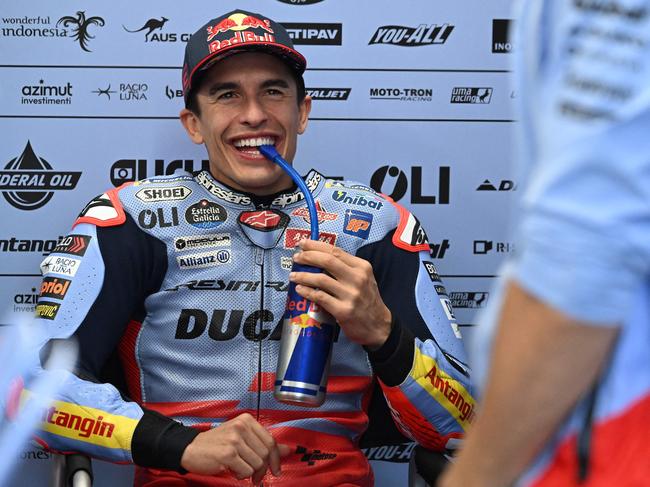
253	112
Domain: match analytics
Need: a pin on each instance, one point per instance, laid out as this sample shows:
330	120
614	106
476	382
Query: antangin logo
471	95
28	181
81	24
328	93
422	35
42	94
401	94
315	34
86	426
28	245
460	399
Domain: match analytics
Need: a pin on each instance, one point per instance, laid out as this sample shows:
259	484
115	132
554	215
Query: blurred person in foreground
567	395
175	288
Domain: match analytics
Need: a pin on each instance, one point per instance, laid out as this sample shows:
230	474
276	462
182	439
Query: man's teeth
254	142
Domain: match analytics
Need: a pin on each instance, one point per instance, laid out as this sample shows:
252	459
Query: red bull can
305	349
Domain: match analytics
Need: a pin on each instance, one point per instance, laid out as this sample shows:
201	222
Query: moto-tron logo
28	181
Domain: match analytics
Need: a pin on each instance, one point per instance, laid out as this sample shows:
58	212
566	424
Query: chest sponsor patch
264	220
47	310
54	264
323	214
205	259
73	244
205	214
431	270
175	193
207	240
294	235
357	223
54	287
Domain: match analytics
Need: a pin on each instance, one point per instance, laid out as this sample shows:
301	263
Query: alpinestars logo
81	24
313	456
28	181
422	35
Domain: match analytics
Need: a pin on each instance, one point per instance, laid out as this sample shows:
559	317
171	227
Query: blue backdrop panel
412	97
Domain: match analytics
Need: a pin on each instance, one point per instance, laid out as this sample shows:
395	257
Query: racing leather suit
175	288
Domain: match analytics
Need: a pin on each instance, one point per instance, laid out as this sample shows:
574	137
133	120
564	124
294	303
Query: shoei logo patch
175	193
28	181
357	223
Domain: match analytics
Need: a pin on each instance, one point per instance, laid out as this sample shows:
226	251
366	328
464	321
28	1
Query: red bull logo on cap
239	24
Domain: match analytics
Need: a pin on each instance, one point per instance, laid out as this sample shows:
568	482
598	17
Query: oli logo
28	181
380	181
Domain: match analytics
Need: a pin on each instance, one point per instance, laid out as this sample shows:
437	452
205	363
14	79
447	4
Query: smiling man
176	288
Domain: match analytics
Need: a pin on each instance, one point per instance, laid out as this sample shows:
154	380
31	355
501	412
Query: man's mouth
249	146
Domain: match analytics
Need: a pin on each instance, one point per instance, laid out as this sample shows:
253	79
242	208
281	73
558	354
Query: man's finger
339	253
319	281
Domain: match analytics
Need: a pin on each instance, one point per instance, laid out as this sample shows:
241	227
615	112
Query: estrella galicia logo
500	41
315	34
28	181
357	223
205	214
470	95
150	25
81	24
422	35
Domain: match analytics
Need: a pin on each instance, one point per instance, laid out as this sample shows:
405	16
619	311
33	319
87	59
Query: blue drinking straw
270	153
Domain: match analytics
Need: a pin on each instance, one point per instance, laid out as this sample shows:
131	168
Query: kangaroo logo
81	27
151	24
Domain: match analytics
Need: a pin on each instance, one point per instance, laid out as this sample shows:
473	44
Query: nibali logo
28	181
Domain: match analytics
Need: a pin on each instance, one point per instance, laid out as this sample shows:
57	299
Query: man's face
247	100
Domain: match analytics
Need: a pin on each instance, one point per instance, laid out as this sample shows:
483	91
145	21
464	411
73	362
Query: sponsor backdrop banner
410	97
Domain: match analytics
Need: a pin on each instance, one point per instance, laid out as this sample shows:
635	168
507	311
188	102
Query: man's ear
304	109
191	122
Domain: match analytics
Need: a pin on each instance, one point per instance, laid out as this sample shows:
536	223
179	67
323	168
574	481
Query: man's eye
227	95
274	91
